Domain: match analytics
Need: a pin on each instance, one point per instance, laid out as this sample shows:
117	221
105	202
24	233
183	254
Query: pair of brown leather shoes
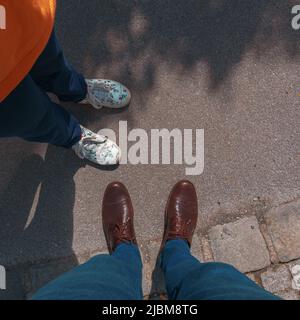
180	216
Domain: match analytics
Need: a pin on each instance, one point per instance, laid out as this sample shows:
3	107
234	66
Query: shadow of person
120	37
52	224
36	219
36	214
16	203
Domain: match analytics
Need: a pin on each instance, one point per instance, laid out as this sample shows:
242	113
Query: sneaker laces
94	139
88	140
103	89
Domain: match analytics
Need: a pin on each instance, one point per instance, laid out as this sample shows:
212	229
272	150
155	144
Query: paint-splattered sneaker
97	148
106	93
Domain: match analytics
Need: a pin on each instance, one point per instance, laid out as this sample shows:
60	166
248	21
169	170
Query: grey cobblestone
289	295
283	225
272	252
241	244
277	279
294	267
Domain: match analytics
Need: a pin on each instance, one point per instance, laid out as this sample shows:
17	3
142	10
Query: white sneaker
106	93
97	148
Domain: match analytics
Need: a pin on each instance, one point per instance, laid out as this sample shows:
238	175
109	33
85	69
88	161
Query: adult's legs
187	278
104	277
29	113
114	277
53	73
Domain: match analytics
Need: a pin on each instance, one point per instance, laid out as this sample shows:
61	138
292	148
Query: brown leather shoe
181	213
117	216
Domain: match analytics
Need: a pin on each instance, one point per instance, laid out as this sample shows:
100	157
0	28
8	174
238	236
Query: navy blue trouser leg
104	277
53	73
29	113
188	279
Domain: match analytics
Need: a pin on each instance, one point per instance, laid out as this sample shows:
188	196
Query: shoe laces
98	91
88	140
94	139
120	232
181	230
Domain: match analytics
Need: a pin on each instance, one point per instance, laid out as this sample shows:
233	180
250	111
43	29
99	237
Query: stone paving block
295	271
241	244
289	295
272	252
283	225
276	280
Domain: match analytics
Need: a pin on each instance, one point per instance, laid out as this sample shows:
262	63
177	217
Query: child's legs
29	113
53	73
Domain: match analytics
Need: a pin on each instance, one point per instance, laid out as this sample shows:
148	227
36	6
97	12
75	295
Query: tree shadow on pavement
130	40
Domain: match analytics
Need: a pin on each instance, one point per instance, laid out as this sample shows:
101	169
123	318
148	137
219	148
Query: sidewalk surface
228	67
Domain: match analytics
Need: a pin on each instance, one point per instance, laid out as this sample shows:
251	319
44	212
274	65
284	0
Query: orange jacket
25	28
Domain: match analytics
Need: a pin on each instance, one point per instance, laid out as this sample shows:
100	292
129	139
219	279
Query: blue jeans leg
187	278
104	277
53	73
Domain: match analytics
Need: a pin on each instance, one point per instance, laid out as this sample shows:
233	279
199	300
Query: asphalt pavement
228	67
